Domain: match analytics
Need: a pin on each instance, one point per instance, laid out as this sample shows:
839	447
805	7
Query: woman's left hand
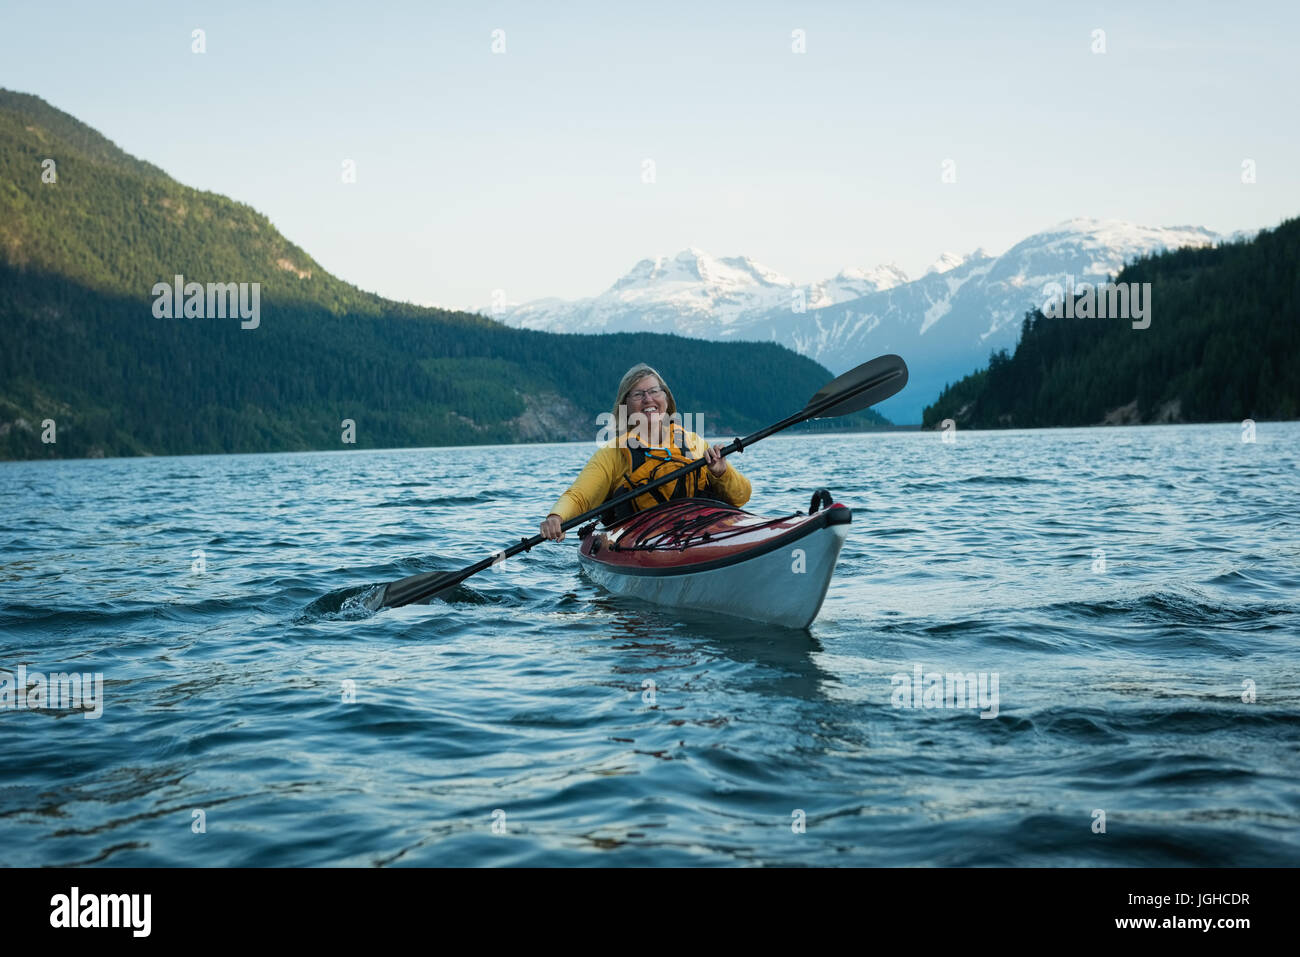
717	462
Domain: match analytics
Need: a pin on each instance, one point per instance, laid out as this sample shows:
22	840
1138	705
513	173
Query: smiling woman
653	444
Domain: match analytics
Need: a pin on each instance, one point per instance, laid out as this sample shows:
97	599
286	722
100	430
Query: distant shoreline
510	445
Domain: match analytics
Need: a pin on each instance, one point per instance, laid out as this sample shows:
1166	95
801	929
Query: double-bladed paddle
853	391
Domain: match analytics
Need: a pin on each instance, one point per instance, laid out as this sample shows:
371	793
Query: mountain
852	283
945	323
690	294
694	294
948	261
88	234
1222	344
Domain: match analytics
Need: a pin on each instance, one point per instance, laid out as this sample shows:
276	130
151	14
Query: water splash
346	604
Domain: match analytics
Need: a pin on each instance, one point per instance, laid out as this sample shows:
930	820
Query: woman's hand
553	528
717	461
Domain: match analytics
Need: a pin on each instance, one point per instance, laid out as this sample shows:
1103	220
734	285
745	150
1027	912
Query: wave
978	480
1176	608
440	501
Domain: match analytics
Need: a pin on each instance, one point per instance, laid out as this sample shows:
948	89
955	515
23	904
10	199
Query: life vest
646	464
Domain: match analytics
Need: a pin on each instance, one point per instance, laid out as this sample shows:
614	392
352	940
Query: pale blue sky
522	170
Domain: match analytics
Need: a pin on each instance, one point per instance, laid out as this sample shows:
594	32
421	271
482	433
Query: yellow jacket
610	463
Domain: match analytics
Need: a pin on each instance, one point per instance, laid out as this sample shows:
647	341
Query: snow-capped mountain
944	324
695	294
853	283
692	294
948	261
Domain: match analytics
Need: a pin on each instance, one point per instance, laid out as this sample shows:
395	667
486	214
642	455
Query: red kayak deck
699	534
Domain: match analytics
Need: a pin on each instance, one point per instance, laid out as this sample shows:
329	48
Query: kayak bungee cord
684	532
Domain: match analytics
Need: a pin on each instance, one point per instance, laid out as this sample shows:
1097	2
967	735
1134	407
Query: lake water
1134	593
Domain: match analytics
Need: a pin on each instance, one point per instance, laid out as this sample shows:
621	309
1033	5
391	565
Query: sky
524	168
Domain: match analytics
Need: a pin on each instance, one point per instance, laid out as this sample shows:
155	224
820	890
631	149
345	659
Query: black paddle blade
416	588
871	382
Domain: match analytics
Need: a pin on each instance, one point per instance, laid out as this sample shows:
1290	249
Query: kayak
709	556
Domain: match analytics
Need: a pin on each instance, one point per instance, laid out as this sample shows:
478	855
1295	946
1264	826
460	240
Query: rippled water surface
1127	587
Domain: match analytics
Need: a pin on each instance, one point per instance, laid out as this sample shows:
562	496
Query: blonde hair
631	377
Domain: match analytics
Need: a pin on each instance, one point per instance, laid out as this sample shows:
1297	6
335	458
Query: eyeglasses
640	394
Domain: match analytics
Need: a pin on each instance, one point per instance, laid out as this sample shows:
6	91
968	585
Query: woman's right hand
553	528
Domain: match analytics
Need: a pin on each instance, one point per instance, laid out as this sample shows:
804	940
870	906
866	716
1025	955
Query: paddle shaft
418	587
